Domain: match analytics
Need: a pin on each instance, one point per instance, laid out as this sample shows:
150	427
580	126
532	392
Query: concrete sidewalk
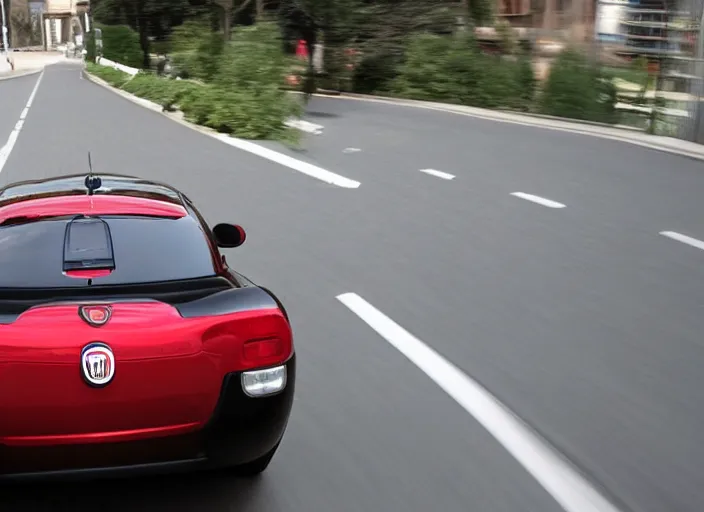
623	134
24	63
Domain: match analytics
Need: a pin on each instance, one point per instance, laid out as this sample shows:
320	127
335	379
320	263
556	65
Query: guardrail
116	65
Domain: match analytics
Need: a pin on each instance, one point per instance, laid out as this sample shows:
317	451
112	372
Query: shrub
113	76
184	64
253	58
244	98
188	36
579	90
91	50
527	82
375	72
198	54
452	69
121	44
250	101
165	92
208	55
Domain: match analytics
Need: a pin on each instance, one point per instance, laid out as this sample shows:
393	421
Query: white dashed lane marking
539	200
438	174
684	239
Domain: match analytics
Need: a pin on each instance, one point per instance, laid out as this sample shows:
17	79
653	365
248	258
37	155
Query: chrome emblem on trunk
96	316
97	364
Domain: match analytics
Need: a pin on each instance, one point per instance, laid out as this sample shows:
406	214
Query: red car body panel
169	370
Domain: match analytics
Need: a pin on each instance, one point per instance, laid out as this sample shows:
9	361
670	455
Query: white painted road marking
539	200
12	139
563	482
305	126
298	165
684	239
438	174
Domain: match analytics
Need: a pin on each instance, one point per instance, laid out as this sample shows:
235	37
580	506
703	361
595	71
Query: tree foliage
121	44
577	89
452	69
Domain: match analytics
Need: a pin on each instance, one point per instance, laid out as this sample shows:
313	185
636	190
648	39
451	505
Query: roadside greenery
233	59
239	97
579	90
114	77
121	44
454	70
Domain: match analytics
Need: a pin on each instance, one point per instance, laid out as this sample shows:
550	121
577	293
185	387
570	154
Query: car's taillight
263	352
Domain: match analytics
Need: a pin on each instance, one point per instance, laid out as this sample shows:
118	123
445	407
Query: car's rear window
145	249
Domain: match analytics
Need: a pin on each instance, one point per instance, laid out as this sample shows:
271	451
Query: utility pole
4	61
5	44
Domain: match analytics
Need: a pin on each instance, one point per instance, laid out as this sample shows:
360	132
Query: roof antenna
92	183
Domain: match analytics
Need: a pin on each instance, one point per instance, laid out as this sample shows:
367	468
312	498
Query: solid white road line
298	165
12	139
537	199
438	174
562	481
684	239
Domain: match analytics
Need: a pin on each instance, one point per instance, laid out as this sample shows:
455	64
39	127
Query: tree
479	12
147	17
333	20
228	12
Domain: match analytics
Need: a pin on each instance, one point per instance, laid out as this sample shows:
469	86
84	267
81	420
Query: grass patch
113	76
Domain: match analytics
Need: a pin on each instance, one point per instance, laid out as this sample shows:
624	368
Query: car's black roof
74	184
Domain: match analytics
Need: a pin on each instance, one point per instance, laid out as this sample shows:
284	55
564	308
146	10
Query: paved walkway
22	63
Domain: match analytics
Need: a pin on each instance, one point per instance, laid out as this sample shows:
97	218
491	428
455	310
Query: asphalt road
584	320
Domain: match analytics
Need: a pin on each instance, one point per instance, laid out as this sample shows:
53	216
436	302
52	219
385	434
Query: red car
127	344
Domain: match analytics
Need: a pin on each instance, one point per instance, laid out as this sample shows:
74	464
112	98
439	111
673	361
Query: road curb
547	123
131	97
20	74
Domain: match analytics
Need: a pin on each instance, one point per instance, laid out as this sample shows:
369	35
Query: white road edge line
684	239
552	471
12	139
539	200
297	165
438	174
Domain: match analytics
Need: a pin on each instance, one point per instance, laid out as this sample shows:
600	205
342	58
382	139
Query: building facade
46	24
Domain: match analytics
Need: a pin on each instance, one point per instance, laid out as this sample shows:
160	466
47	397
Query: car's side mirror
229	235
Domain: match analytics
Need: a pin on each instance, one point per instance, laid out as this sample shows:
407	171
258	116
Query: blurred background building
45	24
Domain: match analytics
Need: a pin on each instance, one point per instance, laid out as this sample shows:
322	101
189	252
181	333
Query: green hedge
579	90
163	91
453	69
236	112
121	44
